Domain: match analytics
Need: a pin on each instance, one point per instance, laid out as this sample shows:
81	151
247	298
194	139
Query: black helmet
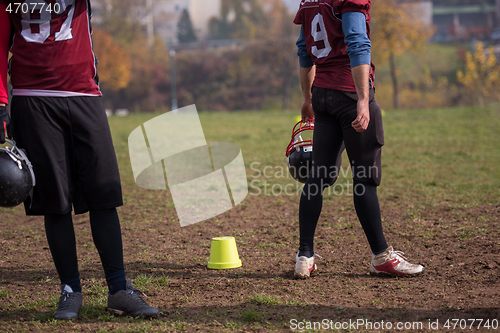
299	152
16	176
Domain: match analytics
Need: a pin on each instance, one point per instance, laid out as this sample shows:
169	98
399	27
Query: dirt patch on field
459	247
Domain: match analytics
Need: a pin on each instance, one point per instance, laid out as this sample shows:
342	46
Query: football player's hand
361	122
307	111
5	130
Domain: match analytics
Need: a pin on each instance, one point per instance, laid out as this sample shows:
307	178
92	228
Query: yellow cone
223	253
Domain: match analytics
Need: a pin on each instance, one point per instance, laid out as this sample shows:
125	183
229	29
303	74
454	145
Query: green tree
397	29
242	19
185	30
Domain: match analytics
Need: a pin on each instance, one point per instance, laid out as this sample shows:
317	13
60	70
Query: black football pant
106	234
334	111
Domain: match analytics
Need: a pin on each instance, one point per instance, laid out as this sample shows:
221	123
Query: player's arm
307	72
4	52
359	51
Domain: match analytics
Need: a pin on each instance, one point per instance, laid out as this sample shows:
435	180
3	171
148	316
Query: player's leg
97	176
98	186
364	151
327	144
327	150
107	236
122	298
40	126
62	244
96	161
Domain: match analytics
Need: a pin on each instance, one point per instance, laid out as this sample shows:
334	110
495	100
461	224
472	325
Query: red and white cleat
393	263
304	266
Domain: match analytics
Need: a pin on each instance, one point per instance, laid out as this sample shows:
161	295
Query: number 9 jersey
321	21
51	48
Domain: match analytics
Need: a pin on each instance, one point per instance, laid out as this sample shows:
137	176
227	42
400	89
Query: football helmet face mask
16	176
299	152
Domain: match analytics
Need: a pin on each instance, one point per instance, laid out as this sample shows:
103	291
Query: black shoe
130	302
69	303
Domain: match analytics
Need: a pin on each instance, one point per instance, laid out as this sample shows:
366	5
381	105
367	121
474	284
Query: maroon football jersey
322	24
51	48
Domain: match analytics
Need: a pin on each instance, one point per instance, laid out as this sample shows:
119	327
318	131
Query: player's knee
328	175
362	187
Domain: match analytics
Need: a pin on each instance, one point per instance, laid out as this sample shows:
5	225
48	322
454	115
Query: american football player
58	118
337	79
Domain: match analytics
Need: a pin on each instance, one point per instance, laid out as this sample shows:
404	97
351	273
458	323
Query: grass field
440	200
433	155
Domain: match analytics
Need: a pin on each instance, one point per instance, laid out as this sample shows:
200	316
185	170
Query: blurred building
201	11
167	14
292	5
161	17
463	20
466	22
423	9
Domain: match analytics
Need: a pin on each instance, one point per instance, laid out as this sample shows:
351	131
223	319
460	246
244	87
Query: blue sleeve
356	38
305	59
